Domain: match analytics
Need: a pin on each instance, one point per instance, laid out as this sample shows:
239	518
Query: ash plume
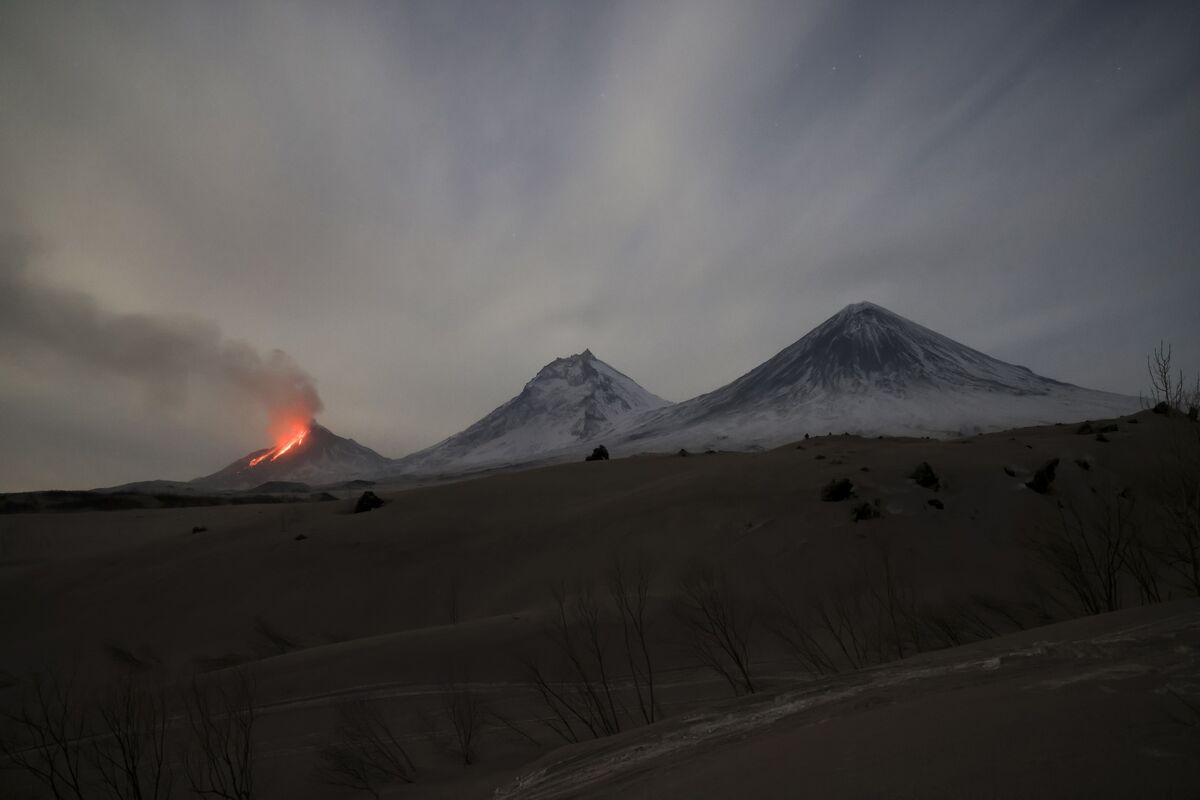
164	352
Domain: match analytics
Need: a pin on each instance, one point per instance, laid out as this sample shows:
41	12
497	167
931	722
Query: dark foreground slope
450	587
1102	707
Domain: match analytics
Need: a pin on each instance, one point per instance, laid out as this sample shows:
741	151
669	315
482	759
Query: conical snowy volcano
571	400
869	370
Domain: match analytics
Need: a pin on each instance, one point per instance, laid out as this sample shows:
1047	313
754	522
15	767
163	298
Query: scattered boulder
1194	413
368	501
1043	477
938	504
1010	472
864	469
199	529
837	490
806	436
1161	407
819	457
710	452
683	453
864	511
299	537
1110	428
1086	427
1100	437
1082	464
1132	421
925	476
598	454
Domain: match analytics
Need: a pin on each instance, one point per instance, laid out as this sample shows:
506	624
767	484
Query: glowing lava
294	440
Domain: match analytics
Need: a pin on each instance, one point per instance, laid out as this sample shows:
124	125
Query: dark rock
299	537
1194	413
1083	465
683	453
1132	421
938	504
1100	437
864	469
806	436
819	457
323	497
836	490
1161	407
1043	477
368	501
866	511
1010	472
925	476
199	529
1086	427
598	454
1110	428
710	452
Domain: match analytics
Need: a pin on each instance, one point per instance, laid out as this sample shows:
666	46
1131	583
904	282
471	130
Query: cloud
425	202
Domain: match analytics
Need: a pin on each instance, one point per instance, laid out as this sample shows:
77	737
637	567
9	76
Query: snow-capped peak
572	399
867	369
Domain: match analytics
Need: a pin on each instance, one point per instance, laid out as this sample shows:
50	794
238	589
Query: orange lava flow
296	440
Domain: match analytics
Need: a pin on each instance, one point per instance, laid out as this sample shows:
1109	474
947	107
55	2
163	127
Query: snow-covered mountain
317	456
868	370
572	400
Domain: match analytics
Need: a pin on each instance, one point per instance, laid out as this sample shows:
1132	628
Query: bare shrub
115	746
367	754
875	616
1094	554
130	756
629	588
718	625
465	710
594	637
585	701
219	760
52	728
1168	385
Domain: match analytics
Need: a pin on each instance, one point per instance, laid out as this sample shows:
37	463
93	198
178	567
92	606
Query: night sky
423	203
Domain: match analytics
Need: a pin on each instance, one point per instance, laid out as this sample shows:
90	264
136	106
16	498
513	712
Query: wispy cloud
425	202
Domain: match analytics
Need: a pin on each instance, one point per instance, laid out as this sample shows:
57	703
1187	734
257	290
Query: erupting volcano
306	453
295	439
